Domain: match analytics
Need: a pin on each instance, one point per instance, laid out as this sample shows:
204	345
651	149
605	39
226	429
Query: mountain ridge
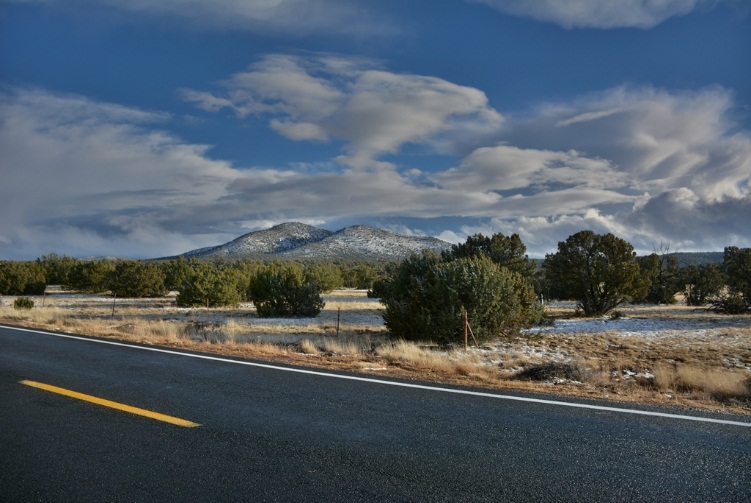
295	240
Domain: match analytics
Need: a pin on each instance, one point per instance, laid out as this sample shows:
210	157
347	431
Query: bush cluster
427	296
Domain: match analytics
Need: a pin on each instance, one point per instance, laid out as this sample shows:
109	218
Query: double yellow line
113	405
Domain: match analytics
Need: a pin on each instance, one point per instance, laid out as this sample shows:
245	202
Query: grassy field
660	354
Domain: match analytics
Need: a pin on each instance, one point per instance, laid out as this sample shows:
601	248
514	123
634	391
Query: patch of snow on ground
642	327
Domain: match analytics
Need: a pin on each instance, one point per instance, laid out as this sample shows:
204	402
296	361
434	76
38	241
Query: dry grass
716	383
308	347
705	368
341	347
423	359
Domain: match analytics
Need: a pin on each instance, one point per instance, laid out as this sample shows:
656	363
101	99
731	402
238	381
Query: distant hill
698	258
295	240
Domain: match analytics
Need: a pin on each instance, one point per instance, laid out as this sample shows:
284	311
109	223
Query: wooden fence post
466	324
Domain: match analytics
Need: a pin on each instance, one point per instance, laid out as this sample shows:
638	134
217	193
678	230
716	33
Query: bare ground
654	354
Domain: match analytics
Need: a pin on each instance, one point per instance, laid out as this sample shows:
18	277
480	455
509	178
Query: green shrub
136	279
283	289
427	297
731	304
207	285
325	276
21	278
23	303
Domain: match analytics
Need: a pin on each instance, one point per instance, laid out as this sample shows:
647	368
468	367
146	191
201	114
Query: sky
142	129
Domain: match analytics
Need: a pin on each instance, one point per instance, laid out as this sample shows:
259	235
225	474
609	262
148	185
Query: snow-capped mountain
296	240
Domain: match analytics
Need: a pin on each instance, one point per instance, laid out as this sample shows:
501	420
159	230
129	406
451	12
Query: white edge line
394	383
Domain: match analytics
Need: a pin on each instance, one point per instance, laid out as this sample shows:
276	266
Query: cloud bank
653	166
622	160
97	178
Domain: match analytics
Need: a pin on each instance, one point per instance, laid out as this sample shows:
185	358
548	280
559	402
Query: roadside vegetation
410	319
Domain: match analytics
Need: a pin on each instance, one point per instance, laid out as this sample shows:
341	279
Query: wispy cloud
662	140
679	157
291	17
599	13
85	175
373	111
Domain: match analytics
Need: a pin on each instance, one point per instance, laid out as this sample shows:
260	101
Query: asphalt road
269	434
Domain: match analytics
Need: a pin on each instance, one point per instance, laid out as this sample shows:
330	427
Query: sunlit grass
721	384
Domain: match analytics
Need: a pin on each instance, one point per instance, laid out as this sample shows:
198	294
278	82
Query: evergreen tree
702	283
282	289
207	285
326	276
136	279
737	266
177	272
507	251
90	276
661	273
57	268
427	297
598	271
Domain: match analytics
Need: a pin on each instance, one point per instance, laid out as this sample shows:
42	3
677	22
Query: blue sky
139	129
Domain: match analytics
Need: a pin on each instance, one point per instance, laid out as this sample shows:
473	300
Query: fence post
466	323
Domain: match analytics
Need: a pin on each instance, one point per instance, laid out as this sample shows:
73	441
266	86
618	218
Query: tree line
276	288
490	280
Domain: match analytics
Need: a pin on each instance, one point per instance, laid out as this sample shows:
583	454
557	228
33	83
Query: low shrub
572	371
23	303
731	304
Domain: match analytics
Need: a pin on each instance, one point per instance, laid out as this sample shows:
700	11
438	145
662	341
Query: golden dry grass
341	347
716	383
308	347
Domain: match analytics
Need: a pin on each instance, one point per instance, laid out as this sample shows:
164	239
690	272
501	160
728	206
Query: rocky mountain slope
296	241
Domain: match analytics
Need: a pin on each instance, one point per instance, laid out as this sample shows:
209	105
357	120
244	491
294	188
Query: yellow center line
111	404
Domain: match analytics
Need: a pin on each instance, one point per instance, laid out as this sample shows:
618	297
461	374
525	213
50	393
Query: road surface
273	433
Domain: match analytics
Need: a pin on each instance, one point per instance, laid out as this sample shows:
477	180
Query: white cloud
681	217
595	161
90	178
85	178
661	140
505	168
649	165
373	111
293	17
97	173
599	13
